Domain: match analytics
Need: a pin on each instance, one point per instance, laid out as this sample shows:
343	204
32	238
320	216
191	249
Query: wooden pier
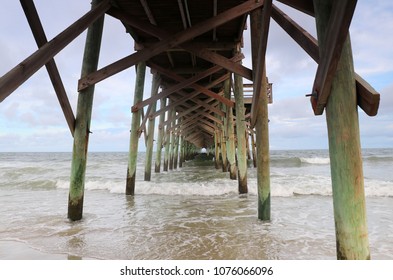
199	86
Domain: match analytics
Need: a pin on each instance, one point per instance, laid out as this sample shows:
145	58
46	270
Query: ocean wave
315	160
280	187
298	161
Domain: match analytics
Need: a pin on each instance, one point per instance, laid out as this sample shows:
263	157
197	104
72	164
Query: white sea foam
315	160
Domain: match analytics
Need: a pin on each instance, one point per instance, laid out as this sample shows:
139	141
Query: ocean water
194	212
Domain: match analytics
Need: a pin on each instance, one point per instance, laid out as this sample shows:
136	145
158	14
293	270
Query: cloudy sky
31	118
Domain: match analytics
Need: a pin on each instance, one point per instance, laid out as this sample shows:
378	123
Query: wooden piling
172	142
224	157
167	139
231	148
160	138
181	160
216	149
176	152
263	154
83	119
150	133
253	149
262	121
248	148
344	149
134	133
240	132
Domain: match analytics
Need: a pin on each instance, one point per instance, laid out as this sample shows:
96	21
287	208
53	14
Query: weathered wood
169	43
176	155
262	124
181	159
192	95
40	37
83	119
197	87
217	163
336	34
24	70
240	133
157	168
175	87
253	148
167	139
173	141
344	149
203	53
150	133
231	148
134	133
368	98
223	148
260	46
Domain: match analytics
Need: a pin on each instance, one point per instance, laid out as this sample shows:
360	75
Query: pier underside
204	97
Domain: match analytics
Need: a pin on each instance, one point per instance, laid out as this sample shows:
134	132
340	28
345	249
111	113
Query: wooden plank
54	75
170	42
305	6
203	53
337	33
368	98
261	57
24	70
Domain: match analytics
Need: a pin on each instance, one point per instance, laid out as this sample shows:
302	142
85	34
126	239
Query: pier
203	97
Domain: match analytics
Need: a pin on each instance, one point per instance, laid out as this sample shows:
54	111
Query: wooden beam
40	37
148	12
189	110
183	15
197	87
337	33
173	88
203	53
200	102
24	70
300	35
261	57
368	98
190	96
305	6
170	42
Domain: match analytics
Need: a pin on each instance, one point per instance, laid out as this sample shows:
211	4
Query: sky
31	119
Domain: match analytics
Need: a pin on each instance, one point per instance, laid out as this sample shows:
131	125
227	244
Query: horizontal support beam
24	70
